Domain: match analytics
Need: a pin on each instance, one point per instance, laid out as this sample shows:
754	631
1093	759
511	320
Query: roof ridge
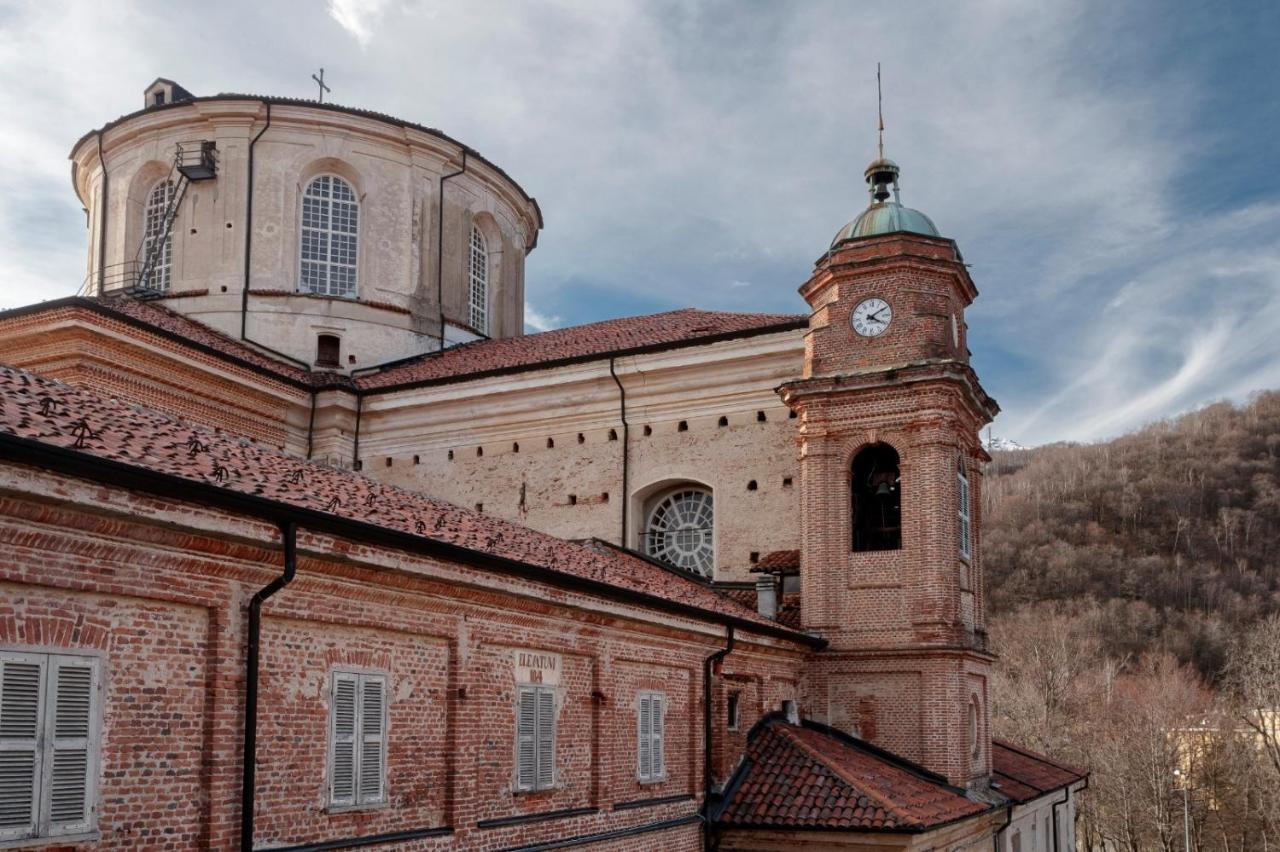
786	731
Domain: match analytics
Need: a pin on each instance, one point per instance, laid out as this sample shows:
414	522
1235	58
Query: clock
871	317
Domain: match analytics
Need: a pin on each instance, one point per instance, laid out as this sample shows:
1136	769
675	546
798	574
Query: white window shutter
21	714
342	768
526	748
965	514
656	739
373	736
546	738
69	768
643	729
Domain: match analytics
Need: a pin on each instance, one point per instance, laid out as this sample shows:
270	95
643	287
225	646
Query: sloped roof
210	463
812	776
778	560
154	316
685	327
1023	775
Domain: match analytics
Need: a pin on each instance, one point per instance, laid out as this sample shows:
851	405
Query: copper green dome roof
886	217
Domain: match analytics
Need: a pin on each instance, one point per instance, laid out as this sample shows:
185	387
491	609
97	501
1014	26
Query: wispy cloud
535	320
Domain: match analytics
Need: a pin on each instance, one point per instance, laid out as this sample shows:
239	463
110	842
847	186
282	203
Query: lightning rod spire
880	109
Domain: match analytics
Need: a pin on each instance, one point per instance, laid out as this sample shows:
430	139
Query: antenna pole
880	109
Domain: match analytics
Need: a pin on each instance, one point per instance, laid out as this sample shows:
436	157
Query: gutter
440	243
708	784
248	790
626	449
70	462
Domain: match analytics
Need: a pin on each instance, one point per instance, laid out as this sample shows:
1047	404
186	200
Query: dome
886	217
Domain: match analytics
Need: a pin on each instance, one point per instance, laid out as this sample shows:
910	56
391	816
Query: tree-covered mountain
1173	532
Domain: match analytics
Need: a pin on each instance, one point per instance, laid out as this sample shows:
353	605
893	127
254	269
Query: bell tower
889	416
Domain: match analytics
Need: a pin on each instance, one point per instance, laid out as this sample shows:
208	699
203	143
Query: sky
1109	169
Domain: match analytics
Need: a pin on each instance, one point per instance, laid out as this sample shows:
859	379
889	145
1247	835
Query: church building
305	545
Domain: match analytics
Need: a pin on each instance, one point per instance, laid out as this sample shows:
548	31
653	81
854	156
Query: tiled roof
684	327
812	776
52	413
1023	775
778	560
789	611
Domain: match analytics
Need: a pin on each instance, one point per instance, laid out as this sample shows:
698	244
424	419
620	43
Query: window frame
651	739
649	533
357	799
478	289
733	711
327	233
45	745
160	276
964	512
543	774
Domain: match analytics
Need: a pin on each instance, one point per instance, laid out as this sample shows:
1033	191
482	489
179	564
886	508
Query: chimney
767	596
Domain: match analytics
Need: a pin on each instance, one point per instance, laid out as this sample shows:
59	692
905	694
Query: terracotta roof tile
812	776
1023	775
50	412
684	327
778	560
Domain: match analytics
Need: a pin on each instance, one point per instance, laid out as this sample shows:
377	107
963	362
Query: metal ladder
192	161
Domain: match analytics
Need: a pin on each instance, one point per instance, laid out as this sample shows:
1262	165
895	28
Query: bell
883	490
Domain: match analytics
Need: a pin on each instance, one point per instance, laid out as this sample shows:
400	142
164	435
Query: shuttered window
966	527
48	745
535	737
650	763
358	739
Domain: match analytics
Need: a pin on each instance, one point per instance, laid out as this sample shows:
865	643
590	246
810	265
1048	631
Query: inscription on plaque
537	667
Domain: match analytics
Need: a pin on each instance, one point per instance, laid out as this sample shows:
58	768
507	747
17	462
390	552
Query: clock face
872	317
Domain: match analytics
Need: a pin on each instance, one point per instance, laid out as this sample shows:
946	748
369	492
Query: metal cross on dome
320	81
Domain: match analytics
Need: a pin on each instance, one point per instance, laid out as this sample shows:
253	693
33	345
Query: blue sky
1109	169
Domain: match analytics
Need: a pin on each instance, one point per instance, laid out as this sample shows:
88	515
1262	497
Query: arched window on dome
329	239
157	240
680	528
478	282
877	499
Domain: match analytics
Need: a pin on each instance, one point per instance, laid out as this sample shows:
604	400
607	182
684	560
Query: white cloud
358	17
538	321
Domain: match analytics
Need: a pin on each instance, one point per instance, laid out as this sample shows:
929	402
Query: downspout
626	450
1057	837
440	244
355	449
288	533
1008	821
707	782
102	222
248	229
248	250
311	424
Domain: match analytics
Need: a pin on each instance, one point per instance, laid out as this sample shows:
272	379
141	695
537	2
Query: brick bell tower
889	415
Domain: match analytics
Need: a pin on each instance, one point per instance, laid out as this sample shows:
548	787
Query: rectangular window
358	740
732	708
535	738
49	719
966	544
650	764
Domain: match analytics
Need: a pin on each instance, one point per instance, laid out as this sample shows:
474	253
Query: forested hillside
1135	604
1174	530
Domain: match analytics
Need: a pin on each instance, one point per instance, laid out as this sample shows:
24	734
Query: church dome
886	217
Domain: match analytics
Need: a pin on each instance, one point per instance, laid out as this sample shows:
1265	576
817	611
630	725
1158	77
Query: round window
680	529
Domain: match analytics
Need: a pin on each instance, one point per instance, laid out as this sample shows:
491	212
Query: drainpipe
1008	820
248	228
311	424
1054	808
626	450
102	222
355	449
288	533
707	666
440	244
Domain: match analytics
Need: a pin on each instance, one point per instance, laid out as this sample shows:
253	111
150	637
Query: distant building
289	482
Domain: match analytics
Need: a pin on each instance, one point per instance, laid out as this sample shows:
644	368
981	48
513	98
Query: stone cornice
895	376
